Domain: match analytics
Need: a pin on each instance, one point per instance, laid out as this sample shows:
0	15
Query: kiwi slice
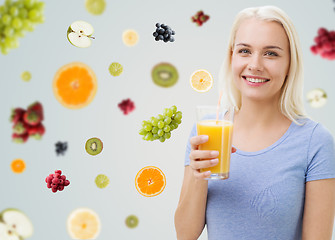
93	146
132	221
164	75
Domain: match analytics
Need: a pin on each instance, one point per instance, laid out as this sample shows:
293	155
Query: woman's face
260	59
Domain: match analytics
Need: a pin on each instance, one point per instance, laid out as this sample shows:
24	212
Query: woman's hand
202	158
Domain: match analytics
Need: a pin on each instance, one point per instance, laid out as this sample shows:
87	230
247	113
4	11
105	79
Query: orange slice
130	37
75	85
150	181
18	165
83	223
201	80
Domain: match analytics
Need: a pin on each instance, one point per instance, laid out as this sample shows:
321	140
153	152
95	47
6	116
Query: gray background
45	50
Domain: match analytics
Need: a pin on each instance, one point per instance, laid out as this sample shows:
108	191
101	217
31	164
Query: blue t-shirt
263	198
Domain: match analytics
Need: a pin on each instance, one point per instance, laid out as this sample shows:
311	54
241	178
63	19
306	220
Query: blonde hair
291	97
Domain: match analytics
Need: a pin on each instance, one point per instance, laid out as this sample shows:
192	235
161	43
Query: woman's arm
190	213
319	210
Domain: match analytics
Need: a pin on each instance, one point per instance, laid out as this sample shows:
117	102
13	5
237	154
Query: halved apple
80	33
17	223
317	98
7	233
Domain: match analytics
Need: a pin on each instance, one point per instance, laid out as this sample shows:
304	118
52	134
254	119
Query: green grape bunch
16	18
160	127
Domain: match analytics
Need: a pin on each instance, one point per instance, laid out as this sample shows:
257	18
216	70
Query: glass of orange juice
217	123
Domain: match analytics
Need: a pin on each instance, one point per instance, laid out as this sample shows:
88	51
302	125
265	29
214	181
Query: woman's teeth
256	80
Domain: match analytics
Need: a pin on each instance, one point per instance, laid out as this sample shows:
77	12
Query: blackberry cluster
127	106
56	181
61	147
325	44
163	32
199	18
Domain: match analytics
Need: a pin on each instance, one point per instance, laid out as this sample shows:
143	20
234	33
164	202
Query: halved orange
83	223
18	165
75	85
150	181
201	80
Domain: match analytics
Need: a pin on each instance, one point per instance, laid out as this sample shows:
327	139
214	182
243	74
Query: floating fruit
80	33
132	221
26	76
126	106
201	80
164	75
115	69
317	98
95	7
150	181
83	223
130	37
18	165
101	181
75	85
163	32
93	146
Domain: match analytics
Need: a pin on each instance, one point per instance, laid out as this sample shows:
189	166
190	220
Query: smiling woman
282	175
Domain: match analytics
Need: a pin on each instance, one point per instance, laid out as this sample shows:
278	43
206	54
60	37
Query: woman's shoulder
314	129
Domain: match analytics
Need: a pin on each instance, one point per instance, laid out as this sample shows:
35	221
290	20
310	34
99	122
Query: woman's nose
255	63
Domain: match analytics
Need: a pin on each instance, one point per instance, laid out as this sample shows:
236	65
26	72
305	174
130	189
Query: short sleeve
188	146
321	155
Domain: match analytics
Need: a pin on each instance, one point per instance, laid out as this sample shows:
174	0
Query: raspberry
325	44
199	18
56	181
126	106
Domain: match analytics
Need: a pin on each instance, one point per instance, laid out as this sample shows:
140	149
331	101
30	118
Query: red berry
60	188
20	138
63	177
31	117
55	180
58	171
56	175
17	115
322	31
66	183
314	49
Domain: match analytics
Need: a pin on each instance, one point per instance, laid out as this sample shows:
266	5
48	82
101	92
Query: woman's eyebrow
266	47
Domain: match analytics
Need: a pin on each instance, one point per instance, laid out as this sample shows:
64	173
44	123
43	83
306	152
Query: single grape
6	19
148	136
28	3
155	136
167	120
178	115
178	121
148	127
142	131
169	112
154	129
174	109
154	121
33	14
172	127
8	31
166	128
17	23
160	124
14	11
160	132
145	123
161	139
167	135
39	6
160	117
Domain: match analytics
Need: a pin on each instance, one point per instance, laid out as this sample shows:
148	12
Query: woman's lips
255	81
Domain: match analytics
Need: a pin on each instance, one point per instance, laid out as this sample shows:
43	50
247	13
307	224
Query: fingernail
208	173
214	153
204	137
216	160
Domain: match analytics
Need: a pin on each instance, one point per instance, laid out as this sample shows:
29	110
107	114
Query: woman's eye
244	51
271	53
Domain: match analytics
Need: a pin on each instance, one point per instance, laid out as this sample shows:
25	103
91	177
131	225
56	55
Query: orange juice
219	139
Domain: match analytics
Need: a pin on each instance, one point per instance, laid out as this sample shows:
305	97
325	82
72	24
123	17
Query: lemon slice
101	181
201	80
130	37
26	76
95	7
83	223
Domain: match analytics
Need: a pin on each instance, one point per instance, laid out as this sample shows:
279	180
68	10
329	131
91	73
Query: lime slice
132	221
26	76
95	7
101	181
115	69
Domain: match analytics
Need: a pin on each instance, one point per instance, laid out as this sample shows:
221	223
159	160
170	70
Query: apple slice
80	33
317	98
6	233
17	222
